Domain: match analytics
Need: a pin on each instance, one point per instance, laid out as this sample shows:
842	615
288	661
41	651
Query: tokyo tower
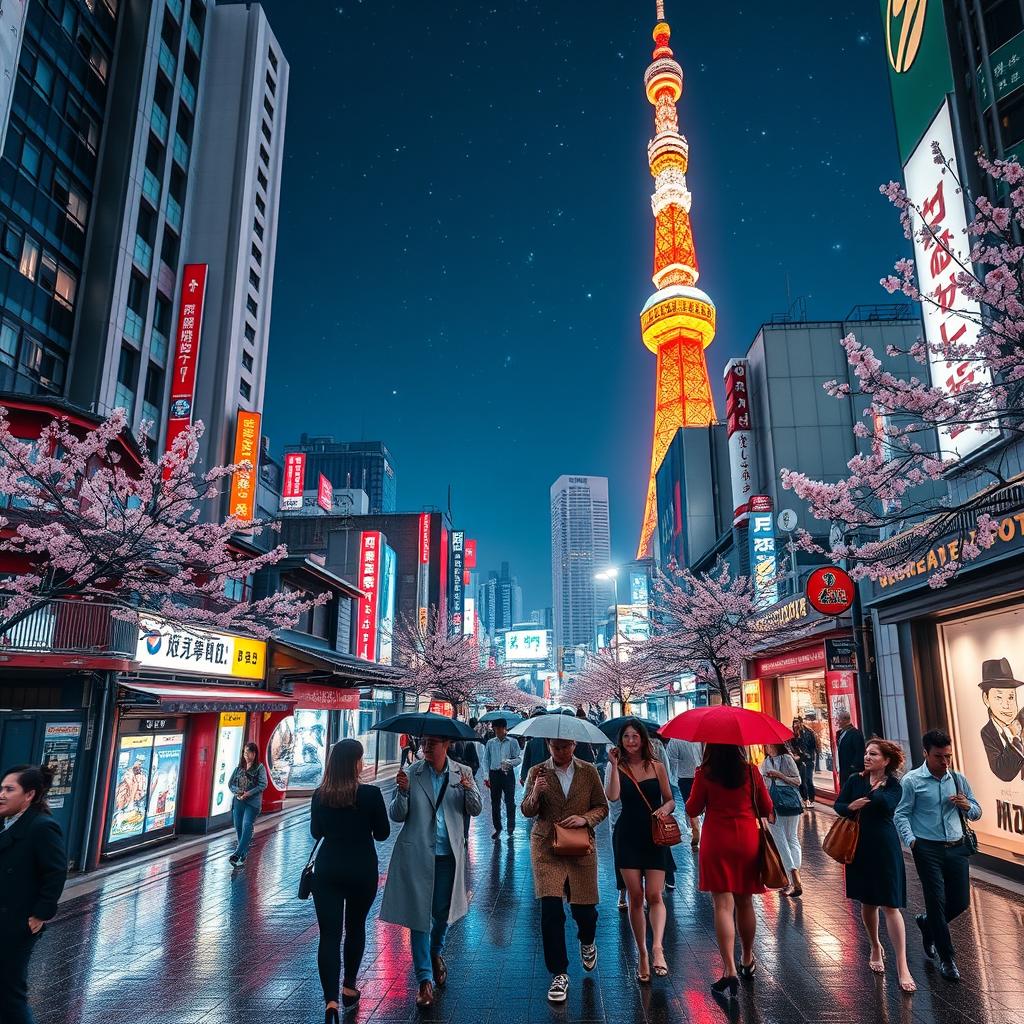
678	321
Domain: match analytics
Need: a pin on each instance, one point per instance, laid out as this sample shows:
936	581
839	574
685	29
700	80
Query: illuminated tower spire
678	321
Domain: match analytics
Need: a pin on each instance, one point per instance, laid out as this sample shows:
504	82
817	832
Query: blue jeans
244	817
428	944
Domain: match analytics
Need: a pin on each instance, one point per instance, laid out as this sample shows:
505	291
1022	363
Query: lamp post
612	574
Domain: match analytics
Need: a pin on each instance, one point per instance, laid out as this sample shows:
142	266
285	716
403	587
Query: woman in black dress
348	817
639	781
877	877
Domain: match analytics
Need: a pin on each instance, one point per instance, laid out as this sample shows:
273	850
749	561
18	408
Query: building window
40	364
245	389
273	59
43	78
65	289
29	263
258	228
262	179
254	279
30	159
170	248
127	379
246	360
250	304
264	155
250	332
87	129
268	135
8	344
48	273
271	84
257	255
70	200
268	107
260	205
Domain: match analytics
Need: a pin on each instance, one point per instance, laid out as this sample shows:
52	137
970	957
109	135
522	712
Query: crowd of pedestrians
736	813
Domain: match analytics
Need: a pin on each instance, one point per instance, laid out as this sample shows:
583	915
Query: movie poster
60	751
163	783
230	736
279	755
309	750
984	668
131	787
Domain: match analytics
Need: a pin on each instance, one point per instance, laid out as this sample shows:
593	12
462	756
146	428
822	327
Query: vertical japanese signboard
324	493
762	551
387	575
737	410
186	350
951	318
423	572
368	633
294	481
243	481
458	581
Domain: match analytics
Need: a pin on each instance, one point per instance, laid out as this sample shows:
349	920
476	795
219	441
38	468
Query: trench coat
551	873
409	889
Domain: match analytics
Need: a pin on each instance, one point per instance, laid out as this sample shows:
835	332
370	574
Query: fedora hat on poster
996	674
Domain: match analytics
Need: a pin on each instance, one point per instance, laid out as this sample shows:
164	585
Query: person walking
464	752
782	778
684	757
877	877
34	867
731	796
348	817
849	747
501	755
806	750
247	783
564	791
614	811
641	782
935	804
426	887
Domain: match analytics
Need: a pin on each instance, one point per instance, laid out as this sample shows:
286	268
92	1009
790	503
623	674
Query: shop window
29	262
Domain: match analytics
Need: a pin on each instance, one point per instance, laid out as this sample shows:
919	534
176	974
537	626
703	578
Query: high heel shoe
643	978
727	986
747	970
349	1002
661	970
331	1015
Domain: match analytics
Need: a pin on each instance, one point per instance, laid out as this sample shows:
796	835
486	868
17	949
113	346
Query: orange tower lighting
678	321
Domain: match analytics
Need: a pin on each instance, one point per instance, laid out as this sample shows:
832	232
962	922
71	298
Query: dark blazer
33	869
851	753
1006	763
536	752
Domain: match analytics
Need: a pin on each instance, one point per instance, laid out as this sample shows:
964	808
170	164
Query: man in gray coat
426	887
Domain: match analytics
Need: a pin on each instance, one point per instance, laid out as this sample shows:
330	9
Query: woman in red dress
725	788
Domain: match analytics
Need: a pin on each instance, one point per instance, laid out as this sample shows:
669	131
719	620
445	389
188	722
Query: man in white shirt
684	759
501	755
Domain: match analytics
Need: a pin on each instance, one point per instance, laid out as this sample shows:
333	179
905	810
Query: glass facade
47	180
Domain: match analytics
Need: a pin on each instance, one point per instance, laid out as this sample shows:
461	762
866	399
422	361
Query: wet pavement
189	940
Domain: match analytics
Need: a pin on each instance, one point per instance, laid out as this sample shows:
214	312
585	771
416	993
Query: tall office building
499	601
191	175
366	465
580	547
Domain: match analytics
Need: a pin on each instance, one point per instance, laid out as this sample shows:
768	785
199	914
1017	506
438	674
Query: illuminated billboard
526	645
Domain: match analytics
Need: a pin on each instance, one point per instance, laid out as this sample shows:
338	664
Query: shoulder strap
753	798
441	792
314	852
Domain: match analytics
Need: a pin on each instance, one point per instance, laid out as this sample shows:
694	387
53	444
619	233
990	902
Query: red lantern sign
830	590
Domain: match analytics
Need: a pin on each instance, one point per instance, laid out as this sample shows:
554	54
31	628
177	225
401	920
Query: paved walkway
188	940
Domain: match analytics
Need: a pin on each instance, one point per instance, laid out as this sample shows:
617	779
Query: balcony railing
69	627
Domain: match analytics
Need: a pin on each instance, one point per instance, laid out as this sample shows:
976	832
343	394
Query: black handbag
970	836
306	878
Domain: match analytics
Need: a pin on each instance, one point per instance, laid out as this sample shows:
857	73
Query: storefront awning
203	698
289	654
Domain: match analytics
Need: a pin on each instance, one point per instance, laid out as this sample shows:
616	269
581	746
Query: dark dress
877	876
631	838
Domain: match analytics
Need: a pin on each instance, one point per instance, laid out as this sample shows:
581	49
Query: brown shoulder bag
769	864
664	831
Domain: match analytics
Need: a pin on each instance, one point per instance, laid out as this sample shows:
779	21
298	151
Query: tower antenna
661	10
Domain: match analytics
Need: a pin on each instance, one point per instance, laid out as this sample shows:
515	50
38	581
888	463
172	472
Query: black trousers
503	787
14	1008
552	929
807	789
340	907
945	877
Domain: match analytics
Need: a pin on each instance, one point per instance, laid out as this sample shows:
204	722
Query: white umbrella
561	727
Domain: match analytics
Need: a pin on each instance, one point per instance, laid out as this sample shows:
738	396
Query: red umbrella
726	724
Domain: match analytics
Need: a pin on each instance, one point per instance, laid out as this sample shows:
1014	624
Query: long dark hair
341	780
646	753
255	760
34	778
725	764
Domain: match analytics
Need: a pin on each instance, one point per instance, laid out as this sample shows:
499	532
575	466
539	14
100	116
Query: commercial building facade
362	465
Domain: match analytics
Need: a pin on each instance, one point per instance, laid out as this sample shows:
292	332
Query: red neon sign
371	546
186	350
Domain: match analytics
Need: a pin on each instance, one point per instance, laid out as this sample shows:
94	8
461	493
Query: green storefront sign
1007	71
920	73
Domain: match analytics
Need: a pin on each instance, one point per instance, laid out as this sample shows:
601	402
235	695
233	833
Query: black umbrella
614	726
426	723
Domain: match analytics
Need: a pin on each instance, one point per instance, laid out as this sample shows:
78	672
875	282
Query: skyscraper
365	465
500	601
678	320
580	547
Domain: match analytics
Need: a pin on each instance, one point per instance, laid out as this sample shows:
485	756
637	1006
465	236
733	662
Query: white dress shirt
564	775
8	822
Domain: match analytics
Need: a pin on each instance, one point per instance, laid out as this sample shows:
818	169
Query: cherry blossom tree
709	623
88	515
505	692
626	675
436	664
906	489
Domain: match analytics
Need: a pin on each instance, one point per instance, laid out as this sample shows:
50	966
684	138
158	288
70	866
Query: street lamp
612	574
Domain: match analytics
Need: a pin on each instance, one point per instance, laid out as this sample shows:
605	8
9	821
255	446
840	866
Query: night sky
466	233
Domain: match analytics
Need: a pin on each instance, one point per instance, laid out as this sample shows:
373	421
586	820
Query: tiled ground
191	941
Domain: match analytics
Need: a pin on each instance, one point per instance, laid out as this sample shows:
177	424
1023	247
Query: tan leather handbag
770	867
840	842
571	842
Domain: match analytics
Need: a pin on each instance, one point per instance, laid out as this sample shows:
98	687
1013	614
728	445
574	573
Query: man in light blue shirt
501	755
930	820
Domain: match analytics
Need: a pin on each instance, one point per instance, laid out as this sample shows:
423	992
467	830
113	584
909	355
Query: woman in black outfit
639	780
348	817
877	877
34	867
